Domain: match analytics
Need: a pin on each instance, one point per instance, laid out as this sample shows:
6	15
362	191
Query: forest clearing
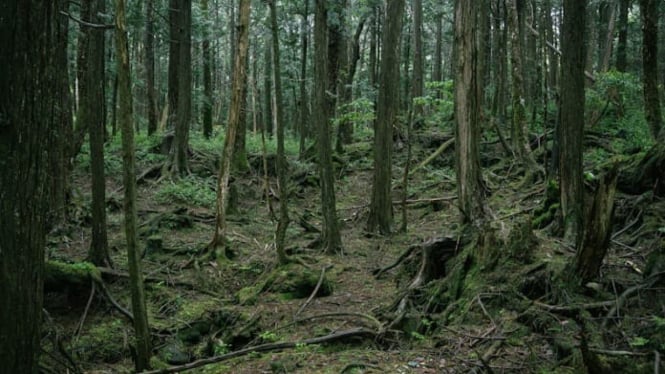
332	186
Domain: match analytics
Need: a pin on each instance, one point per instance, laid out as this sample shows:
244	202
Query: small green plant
639	342
269	336
220	348
189	190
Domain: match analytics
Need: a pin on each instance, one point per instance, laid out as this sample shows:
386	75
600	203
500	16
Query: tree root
316	290
360	332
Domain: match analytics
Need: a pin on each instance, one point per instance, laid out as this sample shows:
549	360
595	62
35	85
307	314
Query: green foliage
360	112
189	190
439	100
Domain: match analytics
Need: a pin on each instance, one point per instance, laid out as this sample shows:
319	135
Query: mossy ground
484	308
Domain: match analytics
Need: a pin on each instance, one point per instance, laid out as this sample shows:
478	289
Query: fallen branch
360	331
316	290
434	155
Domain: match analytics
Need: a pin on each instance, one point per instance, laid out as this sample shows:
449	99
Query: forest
332	186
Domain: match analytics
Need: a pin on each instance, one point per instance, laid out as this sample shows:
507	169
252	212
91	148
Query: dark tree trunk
91	116
303	107
207	76
150	65
330	236
437	75
141	327
652	112
418	80
267	90
345	131
381	206
283	223
174	62
29	86
183	114
571	123
622	43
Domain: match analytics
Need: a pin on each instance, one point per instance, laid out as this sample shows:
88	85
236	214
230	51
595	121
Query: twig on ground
360	331
316	290
79	327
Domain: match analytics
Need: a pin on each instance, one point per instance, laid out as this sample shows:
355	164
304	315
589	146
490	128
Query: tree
652	112
141	327
180	148
91	113
150	64
417	84
571	123
622	58
330	236
27	105
467	93
283	222
218	243
381	206
174	56
207	75
303	112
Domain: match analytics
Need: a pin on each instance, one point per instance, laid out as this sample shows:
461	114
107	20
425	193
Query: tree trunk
174	62
303	107
608	40
652	112
207	77
283	223
417	82
571	123
267	90
345	131
180	148
28	36
218	243
91	112
150	65
467	134
622	60
141	327
381	207
330	236
437	74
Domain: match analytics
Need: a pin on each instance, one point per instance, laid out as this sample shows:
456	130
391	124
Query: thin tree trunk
150	65
608	41
381	207
303	107
621	64
417	83
174	60
218	243
180	148
283	222
330	236
207	77
141	327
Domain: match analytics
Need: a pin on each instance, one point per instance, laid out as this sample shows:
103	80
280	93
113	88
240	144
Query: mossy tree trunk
218	243
283	222
28	102
381	206
330	236
141	328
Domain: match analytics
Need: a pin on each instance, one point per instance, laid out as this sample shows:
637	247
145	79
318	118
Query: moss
59	275
248	295
295	281
104	342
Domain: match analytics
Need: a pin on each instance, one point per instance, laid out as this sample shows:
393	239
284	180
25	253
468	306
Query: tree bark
330	236
90	116
283	223
174	59
608	40
218	243
207	76
180	148
417	82
467	131
303	107
381	207
571	123
29	84
652	112
141	327
150	65
622	58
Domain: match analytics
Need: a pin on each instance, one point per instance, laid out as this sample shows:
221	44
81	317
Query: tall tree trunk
649	11
608	37
91	112
180	148
207	75
624	7
330	236
437	75
417	82
571	123
29	88
150	65
303	107
141	327
550	37
591	29
381	206
374	45
337	58
345	131
267	90
218	243
467	130
283	223
174	62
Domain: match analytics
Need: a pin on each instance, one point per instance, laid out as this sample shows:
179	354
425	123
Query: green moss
104	342
78	272
248	296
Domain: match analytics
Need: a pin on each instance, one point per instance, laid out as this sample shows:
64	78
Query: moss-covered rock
105	342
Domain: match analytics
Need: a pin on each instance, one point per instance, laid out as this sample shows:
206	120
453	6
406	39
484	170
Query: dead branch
316	290
360	331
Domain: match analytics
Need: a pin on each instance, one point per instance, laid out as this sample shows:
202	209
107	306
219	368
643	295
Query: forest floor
507	321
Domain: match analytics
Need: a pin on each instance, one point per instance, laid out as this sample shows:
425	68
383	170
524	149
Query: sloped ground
508	320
